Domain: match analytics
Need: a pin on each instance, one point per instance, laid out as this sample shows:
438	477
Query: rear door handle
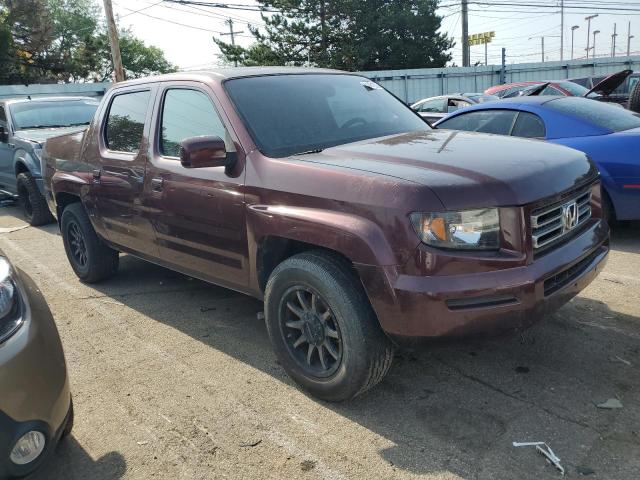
156	184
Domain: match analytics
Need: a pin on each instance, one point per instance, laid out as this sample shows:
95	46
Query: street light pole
588	19
561	30
595	32
573	30
613	40
629	37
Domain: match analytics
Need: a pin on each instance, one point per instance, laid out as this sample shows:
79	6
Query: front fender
22	159
357	238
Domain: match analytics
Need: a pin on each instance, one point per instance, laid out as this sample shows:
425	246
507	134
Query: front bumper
33	380
487	302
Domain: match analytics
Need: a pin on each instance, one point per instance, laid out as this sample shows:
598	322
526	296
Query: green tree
347	34
138	59
65	40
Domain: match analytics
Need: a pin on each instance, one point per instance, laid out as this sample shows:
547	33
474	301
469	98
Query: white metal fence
413	85
409	85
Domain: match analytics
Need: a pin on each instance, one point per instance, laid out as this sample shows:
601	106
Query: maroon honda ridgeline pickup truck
322	193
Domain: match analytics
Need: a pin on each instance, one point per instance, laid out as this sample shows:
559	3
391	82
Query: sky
185	33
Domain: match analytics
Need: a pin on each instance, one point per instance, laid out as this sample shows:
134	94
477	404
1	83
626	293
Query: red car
566	88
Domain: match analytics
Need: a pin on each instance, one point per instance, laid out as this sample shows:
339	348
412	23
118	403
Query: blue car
607	133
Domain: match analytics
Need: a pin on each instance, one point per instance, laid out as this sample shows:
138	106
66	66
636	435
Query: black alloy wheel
78	244
310	331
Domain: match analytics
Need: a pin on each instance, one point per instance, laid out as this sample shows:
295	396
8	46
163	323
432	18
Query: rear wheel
34	206
91	259
634	98
323	328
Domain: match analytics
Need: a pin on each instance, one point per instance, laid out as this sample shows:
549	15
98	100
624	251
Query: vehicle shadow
625	237
452	406
71	462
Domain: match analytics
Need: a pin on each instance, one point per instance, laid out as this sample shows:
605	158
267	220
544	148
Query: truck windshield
292	114
52	114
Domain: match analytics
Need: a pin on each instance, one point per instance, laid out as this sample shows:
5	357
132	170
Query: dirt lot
175	379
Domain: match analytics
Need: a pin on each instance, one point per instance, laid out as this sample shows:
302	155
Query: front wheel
34	205
323	328
89	257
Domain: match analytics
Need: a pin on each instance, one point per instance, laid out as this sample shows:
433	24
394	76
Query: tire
608	212
634	99
69	425
91	259
349	351
34	206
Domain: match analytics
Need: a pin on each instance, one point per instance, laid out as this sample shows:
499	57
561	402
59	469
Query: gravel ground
175	379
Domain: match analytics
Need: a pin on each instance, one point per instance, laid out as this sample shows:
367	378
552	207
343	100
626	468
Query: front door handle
156	184
96	173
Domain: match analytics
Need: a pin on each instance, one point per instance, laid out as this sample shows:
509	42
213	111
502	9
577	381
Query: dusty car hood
39	135
468	170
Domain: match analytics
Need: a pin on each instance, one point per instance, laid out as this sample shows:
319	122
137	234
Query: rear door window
187	113
432	106
528	125
456	104
499	122
125	121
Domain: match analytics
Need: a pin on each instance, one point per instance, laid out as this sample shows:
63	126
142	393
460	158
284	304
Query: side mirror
4	134
205	151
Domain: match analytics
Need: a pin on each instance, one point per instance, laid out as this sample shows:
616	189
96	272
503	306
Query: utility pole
113	41
465	34
588	19
613	40
573	30
561	30
486	62
232	33
542	45
629	37
595	32
503	69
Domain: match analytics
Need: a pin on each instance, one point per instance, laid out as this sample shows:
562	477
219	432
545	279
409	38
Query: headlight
37	151
10	318
465	230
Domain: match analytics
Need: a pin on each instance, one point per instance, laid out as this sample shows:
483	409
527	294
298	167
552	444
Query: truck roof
221	74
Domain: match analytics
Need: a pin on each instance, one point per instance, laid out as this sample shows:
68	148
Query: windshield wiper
315	150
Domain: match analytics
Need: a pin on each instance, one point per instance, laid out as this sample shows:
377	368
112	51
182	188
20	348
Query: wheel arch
277	233
63	200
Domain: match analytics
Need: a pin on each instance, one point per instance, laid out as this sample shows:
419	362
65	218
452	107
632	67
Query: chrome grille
550	224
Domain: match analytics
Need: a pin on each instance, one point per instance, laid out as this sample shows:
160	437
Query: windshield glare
52	114
289	114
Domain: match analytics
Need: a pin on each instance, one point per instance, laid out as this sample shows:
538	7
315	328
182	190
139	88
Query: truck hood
468	170
39	135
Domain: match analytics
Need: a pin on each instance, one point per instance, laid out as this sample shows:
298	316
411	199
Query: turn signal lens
464	230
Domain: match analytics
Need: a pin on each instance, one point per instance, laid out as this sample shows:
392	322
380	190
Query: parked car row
360	226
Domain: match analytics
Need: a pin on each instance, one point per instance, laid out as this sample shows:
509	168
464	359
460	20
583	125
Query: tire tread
41	214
